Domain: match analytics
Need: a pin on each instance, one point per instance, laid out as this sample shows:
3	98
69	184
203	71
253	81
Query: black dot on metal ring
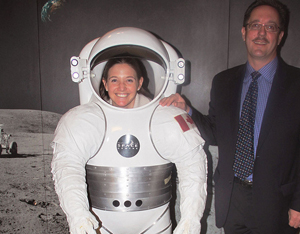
116	203
127	203
138	203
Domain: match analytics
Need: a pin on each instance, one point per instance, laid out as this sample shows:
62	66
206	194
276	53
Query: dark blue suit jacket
276	176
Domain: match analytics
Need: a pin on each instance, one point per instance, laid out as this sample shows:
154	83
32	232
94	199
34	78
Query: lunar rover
10	147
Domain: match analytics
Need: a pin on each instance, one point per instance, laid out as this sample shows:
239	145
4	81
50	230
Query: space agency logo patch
128	146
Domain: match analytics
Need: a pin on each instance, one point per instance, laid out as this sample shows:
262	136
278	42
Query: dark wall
19	55
35	55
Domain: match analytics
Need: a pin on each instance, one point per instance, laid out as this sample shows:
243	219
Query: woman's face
122	85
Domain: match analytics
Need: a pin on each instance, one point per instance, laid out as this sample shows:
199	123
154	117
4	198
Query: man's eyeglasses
268	27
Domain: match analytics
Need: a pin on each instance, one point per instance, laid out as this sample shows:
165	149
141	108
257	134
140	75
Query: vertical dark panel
291	49
206	48
237	51
20	84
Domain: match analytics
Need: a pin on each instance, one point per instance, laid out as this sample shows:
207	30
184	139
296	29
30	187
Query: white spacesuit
113	166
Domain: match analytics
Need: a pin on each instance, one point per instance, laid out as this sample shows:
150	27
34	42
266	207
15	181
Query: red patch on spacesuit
189	119
184	121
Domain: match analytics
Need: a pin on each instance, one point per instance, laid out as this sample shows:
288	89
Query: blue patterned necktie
244	153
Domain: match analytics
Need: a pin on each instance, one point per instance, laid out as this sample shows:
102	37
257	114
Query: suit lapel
236	90
276	96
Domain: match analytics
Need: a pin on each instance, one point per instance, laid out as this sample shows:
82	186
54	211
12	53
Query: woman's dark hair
136	64
282	10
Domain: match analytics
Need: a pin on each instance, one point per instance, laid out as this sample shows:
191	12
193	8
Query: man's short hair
282	10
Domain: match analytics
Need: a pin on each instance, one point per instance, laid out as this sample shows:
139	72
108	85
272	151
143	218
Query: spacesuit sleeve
177	139
77	138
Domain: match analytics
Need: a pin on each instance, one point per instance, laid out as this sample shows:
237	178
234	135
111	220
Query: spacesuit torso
127	176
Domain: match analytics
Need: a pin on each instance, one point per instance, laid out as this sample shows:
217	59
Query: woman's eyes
128	80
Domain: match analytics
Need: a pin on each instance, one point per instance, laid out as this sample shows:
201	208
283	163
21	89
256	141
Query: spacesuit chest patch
185	122
128	146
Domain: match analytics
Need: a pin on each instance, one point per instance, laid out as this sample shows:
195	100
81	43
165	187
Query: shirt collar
268	71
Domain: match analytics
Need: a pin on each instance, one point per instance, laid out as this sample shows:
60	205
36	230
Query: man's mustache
261	39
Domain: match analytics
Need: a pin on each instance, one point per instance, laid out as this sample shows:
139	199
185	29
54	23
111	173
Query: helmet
165	70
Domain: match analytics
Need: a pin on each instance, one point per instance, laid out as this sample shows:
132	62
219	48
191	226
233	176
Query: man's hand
175	100
294	218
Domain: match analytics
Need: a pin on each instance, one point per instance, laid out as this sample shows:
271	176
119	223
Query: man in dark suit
265	197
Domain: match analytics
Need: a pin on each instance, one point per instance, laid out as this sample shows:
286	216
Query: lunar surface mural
28	202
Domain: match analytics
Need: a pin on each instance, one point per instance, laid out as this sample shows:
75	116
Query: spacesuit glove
85	224
189	226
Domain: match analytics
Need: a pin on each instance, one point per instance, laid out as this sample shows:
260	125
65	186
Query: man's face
261	45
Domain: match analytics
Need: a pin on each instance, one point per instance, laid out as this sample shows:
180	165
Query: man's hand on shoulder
175	100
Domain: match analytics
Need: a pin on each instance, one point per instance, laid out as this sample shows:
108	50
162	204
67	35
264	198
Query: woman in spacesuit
112	164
